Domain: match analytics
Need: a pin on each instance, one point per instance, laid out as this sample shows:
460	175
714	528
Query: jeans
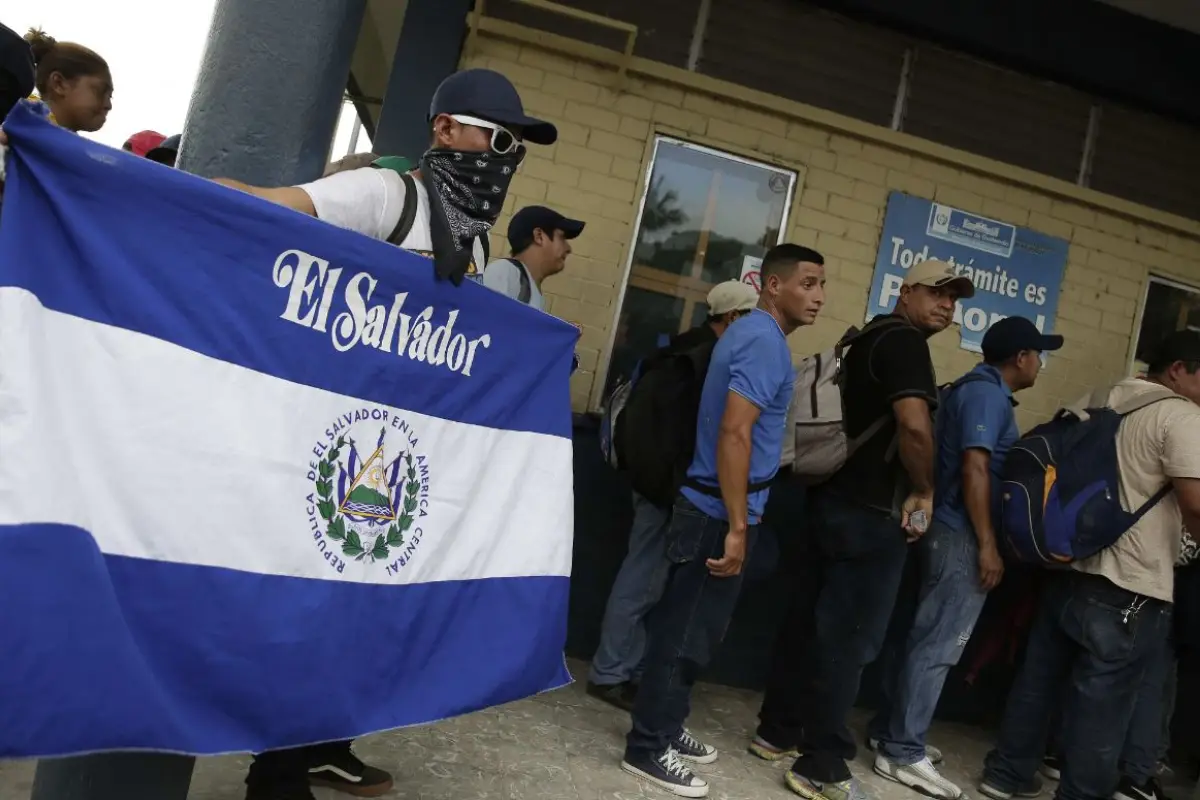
1149	731
282	770
846	571
1089	649
948	605
685	629
636	590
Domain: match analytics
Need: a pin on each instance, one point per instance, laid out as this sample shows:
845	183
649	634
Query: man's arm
914	430
977	496
1187	491
292	197
733	476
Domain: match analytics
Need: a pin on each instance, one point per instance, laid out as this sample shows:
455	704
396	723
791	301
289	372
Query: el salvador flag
263	482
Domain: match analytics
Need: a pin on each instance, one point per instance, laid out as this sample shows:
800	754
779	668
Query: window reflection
703	213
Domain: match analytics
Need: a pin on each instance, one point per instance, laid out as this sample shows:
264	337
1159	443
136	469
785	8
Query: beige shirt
1154	444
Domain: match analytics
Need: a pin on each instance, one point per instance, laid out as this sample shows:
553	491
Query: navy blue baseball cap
1011	335
487	94
530	218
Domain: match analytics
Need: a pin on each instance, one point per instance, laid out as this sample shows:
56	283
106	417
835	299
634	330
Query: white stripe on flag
216	463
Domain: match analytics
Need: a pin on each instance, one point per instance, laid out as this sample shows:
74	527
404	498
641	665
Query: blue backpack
1061	492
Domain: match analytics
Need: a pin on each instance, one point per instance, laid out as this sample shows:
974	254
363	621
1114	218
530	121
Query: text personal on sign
1016	271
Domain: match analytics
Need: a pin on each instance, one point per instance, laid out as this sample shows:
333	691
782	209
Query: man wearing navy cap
958	557
540	239
444	208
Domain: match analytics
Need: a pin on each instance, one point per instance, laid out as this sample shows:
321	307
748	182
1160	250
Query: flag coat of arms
263	482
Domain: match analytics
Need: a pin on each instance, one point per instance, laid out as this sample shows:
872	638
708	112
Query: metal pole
354	131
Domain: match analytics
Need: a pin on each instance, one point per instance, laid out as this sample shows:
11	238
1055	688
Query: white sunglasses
504	141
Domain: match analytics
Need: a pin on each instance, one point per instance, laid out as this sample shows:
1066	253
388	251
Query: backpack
820	446
654	434
1061	495
610	415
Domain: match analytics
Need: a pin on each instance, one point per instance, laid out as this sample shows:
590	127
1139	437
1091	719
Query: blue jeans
1149	731
685	629
948	605
636	590
846	571
1090	646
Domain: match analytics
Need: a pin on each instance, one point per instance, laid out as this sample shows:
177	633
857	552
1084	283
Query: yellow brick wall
596	171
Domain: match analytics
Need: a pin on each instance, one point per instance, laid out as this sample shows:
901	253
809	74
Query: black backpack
655	435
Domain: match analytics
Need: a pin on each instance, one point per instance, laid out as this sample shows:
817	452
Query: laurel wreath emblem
338	530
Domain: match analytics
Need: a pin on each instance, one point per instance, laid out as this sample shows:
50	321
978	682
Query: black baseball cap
487	94
1011	335
529	218
1181	345
166	152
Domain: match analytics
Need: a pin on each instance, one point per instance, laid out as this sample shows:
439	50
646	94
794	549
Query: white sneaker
922	776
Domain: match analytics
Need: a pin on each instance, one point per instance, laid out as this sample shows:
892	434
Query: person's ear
443	131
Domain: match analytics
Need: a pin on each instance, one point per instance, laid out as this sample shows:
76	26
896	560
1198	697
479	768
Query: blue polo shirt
752	359
978	414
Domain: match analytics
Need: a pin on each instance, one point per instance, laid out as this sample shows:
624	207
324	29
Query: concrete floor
564	746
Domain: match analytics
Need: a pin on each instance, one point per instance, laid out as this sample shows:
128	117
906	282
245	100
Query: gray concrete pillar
114	776
429	50
267	99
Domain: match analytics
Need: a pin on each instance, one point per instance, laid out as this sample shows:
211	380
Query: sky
153	50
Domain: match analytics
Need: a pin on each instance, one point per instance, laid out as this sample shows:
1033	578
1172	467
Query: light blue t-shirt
752	359
978	414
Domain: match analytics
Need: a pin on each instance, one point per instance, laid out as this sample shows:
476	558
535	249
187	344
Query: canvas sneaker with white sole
668	772
692	749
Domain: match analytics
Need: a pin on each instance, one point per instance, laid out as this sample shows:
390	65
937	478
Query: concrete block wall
597	170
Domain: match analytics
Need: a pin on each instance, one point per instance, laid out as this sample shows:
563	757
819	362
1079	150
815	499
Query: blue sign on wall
1016	271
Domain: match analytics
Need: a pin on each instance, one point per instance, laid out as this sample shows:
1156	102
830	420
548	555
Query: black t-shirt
882	367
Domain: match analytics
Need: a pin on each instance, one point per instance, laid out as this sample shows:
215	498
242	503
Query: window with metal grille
1147	159
984	109
794	50
664	26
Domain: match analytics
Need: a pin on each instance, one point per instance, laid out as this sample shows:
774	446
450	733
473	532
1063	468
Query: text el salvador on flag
263	482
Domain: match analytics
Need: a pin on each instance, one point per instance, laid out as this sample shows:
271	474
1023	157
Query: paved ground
563	746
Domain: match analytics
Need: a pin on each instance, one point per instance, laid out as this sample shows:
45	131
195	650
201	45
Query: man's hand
991	566
729	564
917	501
3	137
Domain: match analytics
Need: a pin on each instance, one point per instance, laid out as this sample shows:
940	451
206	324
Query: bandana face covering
466	192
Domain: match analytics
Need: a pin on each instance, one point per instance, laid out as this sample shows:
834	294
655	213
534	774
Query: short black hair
525	242
782	258
1182	346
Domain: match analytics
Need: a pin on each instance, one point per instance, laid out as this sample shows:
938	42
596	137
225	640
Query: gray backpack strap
526	293
408	212
872	429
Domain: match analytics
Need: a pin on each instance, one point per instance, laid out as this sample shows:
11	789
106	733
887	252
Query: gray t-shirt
504	276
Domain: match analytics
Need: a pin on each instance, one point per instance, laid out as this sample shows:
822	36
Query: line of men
1098	651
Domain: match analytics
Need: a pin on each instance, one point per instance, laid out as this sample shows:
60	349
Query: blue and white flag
263	482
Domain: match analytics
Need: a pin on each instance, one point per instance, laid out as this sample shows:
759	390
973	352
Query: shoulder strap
1145	400
526	285
408	212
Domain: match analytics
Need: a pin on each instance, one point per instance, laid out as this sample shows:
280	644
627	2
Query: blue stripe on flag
101	234
112	653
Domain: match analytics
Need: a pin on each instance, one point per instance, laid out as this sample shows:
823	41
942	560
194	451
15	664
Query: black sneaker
620	695
667	771
300	792
692	749
1128	790
1052	768
1031	789
342	771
